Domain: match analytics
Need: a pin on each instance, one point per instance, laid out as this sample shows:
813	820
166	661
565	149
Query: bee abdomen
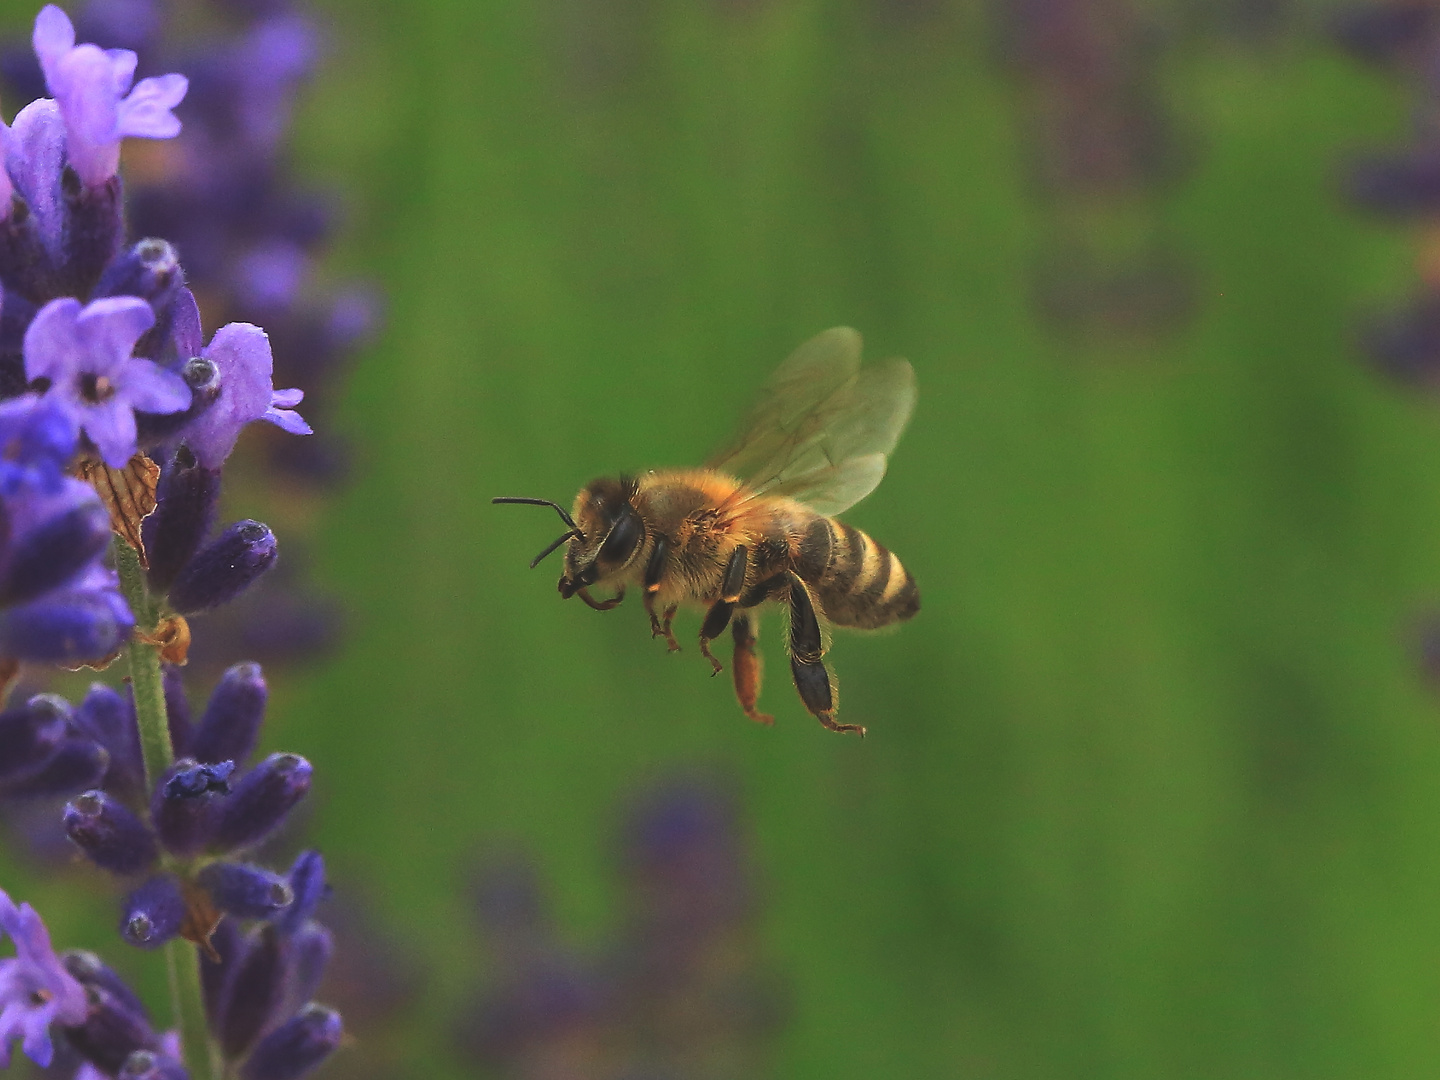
859	583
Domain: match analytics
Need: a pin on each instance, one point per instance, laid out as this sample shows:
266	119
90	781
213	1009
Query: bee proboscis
757	524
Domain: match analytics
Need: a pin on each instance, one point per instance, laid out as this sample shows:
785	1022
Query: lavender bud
255	993
295	1047
112	1031
28	737
145	1065
94	231
245	891
261	801
225	569
22	250
231	724
65	627
149	270
89	970
185	502
183	806
153	913
54	552
310	950
109	719
307	879
177	711
75	765
203	379
109	833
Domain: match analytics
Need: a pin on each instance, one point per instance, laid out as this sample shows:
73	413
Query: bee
757	523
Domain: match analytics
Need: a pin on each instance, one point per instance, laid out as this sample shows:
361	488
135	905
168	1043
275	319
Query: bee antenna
538	559
564	515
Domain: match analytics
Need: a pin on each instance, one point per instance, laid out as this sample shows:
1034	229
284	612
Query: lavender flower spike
35	989
242	353
90	85
85	353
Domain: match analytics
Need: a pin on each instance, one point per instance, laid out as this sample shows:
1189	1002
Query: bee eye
625	536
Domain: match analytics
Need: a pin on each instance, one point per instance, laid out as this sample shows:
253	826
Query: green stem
182	958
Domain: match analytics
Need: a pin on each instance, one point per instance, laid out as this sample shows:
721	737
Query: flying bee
757	523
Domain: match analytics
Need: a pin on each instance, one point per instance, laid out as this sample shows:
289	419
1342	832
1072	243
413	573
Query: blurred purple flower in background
1102	148
680	990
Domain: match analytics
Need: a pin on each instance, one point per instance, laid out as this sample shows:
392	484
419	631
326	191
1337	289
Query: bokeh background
1151	782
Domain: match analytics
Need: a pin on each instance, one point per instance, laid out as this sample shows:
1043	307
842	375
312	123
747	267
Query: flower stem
182	958
145	677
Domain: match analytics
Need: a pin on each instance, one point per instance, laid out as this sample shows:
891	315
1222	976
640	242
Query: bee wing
822	428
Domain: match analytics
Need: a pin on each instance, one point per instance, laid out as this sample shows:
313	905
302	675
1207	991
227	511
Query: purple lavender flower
36	443
92	87
57	600
85	353
35	989
242	353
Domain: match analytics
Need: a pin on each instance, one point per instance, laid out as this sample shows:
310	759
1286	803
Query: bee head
607	534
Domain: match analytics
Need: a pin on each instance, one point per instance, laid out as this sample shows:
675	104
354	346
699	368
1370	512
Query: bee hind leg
746	668
718	617
807	663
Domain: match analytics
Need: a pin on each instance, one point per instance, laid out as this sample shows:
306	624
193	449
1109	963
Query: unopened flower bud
296	1046
109	718
109	833
75	765
28	737
245	891
147	1065
183	806
224	569
112	1031
185	502
65	627
261	801
256	992
54	552
150	269
231	723
153	913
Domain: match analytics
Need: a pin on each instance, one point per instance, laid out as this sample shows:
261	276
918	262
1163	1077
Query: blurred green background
1150	787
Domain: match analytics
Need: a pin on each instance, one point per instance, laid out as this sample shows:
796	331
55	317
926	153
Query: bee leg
807	663
660	624
654	571
718	617
745	668
601	605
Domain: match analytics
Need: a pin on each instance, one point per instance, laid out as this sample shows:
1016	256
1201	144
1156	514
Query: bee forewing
785	408
834	490
824	432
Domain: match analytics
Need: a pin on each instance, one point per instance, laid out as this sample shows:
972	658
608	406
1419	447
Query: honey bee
757	523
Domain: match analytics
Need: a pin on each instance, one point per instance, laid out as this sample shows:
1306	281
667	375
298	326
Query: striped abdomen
858	582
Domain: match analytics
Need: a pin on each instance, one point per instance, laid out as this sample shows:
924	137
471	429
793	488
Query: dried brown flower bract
172	638
128	494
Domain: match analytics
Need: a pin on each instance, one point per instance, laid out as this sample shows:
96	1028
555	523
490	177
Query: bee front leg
660	624
718	617
654	571
601	605
746	667
807	663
